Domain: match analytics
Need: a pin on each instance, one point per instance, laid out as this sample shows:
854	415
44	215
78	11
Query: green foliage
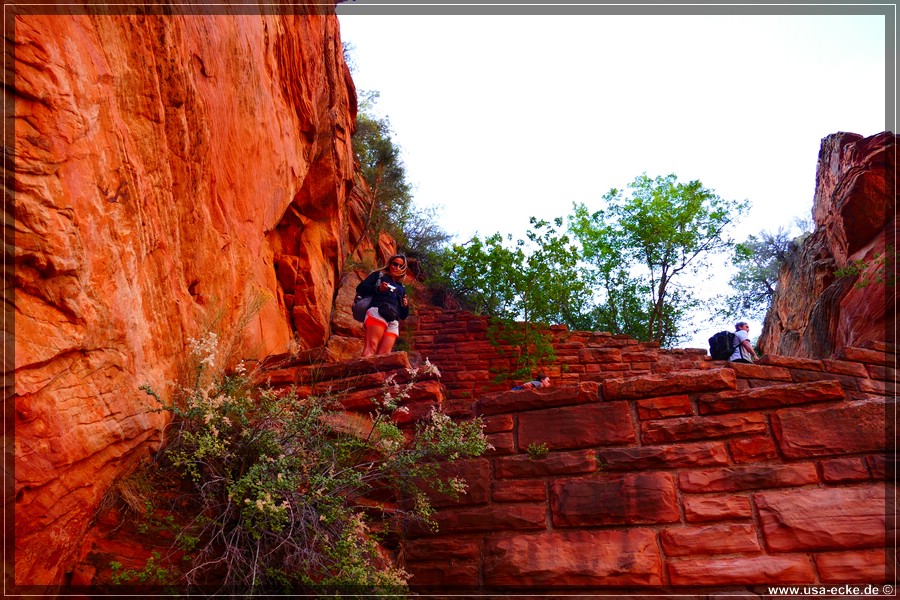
383	169
275	479
522	286
758	260
641	244
537	451
393	211
618	269
153	573
880	268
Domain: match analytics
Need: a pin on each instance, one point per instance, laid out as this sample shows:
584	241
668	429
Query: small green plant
152	573
278	480
868	276
537	451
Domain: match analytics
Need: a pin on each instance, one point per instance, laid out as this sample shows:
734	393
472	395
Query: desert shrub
292	494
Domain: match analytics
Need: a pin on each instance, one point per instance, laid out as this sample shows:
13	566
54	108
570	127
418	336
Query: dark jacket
393	298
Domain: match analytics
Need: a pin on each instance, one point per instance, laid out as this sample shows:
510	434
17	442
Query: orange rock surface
168	170
816	311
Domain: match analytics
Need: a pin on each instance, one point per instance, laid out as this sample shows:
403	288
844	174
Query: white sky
505	117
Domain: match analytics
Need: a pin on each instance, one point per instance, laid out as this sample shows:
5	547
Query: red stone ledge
648	386
520	400
772	396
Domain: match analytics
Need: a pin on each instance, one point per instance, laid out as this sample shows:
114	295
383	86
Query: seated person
541	381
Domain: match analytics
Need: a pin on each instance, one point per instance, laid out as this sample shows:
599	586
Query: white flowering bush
278	482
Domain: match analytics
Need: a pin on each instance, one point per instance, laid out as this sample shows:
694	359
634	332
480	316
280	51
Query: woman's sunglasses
399	265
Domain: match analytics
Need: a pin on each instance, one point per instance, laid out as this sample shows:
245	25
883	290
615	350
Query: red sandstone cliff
167	168
816	312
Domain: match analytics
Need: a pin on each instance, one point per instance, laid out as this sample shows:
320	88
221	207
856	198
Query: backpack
361	304
721	345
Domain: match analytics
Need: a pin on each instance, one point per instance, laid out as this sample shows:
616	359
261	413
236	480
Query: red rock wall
665	471
854	210
166	169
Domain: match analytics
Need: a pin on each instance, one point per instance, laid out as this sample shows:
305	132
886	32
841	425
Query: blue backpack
721	345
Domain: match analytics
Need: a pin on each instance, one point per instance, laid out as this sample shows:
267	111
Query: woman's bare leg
386	344
374	335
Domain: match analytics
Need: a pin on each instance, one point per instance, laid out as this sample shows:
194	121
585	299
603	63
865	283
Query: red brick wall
665	470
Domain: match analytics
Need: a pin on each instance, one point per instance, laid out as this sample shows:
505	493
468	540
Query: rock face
169	170
819	309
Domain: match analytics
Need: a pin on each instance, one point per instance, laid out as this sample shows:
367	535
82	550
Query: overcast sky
505	117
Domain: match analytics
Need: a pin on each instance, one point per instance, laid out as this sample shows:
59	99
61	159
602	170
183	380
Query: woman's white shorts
373	318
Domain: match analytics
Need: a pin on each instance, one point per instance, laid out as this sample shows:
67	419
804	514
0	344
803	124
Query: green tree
643	243
393	209
384	171
523	286
758	260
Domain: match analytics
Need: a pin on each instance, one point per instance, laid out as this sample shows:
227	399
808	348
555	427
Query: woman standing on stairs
389	305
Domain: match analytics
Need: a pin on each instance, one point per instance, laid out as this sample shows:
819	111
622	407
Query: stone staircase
641	470
663	470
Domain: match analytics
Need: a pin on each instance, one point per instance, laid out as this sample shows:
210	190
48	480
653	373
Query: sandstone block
861	566
498	423
755	570
645	357
500	517
554	463
748	477
666	406
600	355
791	362
442	575
666	384
383	363
638	458
844	470
873	386
771	396
881	346
812	432
842	367
863	355
615	500
439	548
577	426
753	449
521	400
503	443
851	384
519	491
761	372
732	538
701	428
477	475
881	372
574	559
823	518
707	507
879	463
